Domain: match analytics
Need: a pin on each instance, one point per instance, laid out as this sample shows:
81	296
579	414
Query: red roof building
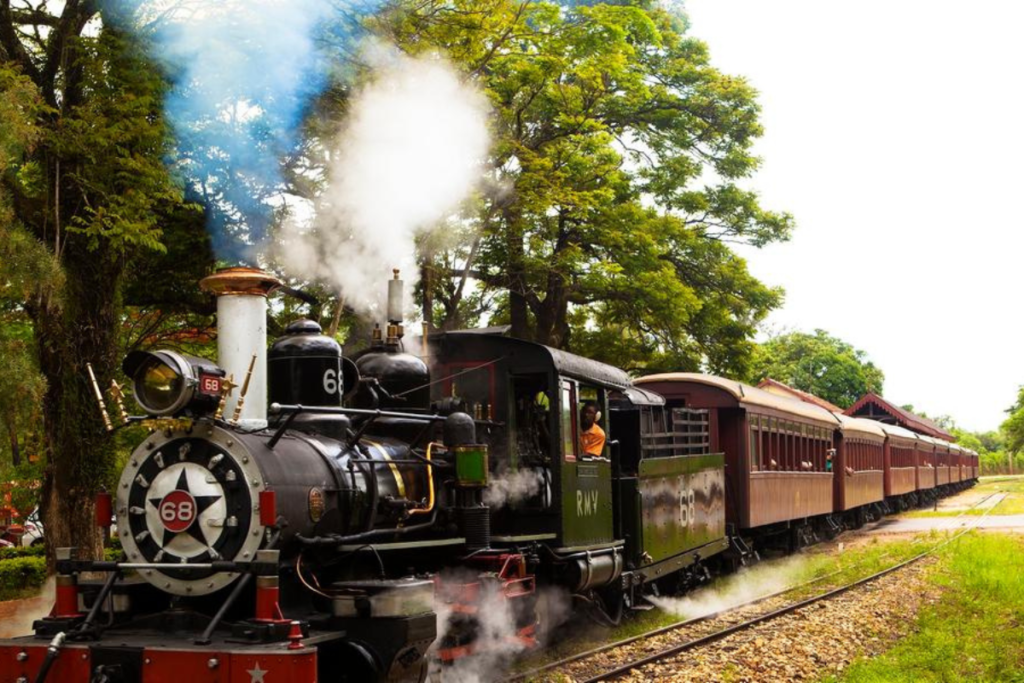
874	407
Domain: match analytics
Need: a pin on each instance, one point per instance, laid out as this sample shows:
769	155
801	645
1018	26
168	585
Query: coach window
754	436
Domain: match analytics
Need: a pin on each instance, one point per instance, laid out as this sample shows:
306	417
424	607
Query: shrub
16	551
20	573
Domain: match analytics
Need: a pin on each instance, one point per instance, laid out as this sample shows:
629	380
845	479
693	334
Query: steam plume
411	150
748	585
512	488
244	73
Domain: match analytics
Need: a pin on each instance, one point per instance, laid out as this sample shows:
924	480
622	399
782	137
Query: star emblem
179	512
257	674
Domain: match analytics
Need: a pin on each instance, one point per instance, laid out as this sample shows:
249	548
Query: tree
617	154
87	189
1013	426
819	364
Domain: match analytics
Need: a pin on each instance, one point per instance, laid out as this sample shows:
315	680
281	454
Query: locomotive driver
591	435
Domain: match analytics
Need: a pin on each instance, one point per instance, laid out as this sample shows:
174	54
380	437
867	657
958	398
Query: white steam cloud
749	584
495	642
512	488
412	149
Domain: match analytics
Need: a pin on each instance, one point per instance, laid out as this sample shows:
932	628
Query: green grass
975	632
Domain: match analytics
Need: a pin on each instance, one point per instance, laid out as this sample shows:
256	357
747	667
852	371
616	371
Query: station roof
875	407
774	386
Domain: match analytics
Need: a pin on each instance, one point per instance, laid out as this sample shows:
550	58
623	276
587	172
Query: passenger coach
777	452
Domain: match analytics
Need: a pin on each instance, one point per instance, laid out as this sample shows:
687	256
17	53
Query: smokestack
242	332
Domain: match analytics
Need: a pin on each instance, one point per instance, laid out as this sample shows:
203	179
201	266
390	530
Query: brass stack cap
240	280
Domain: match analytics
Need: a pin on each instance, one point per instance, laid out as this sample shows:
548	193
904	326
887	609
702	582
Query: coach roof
746	395
859	426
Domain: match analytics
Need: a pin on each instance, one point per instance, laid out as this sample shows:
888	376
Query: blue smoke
244	74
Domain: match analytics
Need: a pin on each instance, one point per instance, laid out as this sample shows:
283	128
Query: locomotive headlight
169	383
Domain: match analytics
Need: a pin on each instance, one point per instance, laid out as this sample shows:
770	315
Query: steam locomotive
387	512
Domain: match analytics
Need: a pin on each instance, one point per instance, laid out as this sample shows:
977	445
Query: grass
1012	504
767	577
976	630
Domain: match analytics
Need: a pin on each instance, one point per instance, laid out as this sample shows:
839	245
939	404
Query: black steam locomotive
394	511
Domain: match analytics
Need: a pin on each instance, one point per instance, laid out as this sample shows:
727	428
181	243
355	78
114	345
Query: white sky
893	135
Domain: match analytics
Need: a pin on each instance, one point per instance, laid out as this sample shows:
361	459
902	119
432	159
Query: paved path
16	616
895	525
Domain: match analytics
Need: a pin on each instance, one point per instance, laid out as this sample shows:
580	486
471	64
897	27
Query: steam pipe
277	408
430	485
51	656
284	427
335	540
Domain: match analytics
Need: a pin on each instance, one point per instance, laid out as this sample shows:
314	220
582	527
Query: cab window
568	408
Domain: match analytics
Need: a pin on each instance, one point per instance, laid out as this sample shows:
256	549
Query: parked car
33	534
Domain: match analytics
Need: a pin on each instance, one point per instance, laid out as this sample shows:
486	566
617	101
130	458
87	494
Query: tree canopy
618	156
820	364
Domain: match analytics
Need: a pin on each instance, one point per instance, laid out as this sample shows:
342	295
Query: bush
20	573
31	551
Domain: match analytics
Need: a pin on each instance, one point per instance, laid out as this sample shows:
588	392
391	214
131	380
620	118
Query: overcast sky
894	136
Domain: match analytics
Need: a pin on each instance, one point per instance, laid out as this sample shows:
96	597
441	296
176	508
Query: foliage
21	391
820	364
982	576
617	154
1013	427
20	573
18	551
87	193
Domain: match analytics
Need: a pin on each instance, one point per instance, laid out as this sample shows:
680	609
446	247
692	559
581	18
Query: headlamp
170	383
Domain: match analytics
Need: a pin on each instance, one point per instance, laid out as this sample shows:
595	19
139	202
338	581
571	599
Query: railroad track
577	664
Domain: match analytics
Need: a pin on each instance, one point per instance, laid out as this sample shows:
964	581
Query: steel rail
701	619
718	635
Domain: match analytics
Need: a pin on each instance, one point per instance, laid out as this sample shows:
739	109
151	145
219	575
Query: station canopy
874	407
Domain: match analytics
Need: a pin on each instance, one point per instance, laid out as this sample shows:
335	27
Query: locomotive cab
527	399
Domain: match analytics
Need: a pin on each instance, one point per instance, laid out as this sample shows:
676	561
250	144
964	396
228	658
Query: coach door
586	481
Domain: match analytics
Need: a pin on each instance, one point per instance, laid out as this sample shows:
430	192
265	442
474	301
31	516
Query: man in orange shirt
591	435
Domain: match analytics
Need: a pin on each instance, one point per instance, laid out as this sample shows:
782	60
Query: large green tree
87	190
820	364
618	156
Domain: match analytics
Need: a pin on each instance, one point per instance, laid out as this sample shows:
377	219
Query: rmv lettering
586	503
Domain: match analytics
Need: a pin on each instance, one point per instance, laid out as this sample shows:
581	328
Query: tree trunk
15	449
81	328
517	281
552	311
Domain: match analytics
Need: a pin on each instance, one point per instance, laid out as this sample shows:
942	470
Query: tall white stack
241	333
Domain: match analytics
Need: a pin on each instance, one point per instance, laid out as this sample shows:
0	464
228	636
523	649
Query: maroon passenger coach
776	449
